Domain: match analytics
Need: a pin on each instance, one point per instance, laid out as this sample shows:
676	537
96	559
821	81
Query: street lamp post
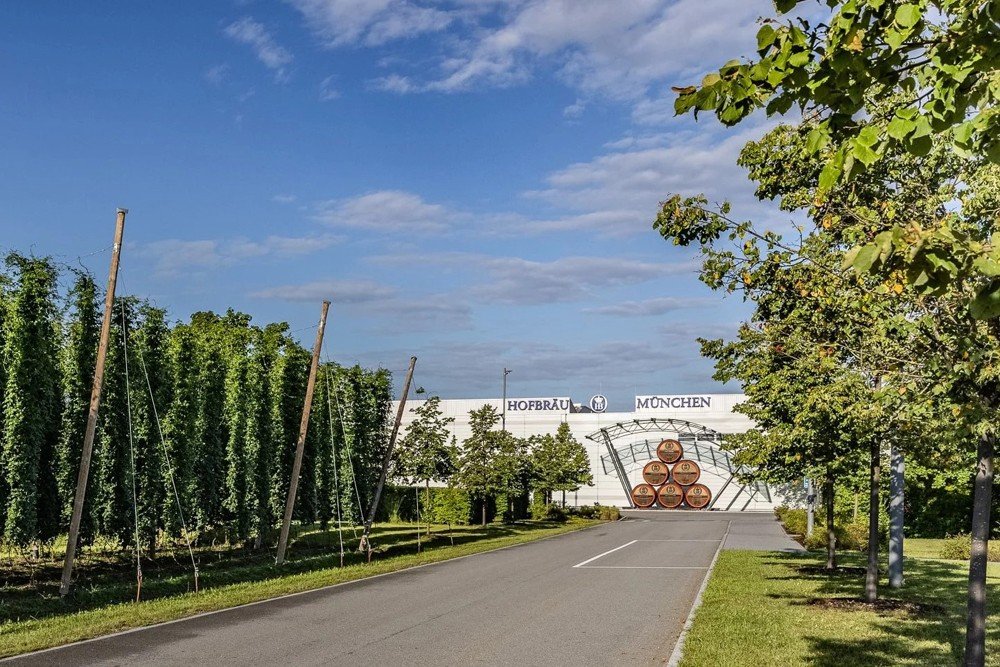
503	412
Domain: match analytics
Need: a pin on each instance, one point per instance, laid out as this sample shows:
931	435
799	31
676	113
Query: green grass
922	547
33	616
760	608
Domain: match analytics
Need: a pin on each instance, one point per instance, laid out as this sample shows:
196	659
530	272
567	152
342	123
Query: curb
678	652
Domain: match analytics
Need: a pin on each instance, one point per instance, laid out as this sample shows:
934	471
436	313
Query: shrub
608	513
548	512
959	547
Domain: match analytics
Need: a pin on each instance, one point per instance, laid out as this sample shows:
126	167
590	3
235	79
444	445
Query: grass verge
769	608
61	622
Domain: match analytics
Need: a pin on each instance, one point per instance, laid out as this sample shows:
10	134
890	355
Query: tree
426	452
260	427
32	401
151	399
237	502
478	472
180	427
948	356
937	59
79	355
115	475
559	463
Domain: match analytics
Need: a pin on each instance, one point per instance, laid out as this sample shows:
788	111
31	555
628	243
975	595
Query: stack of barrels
670	481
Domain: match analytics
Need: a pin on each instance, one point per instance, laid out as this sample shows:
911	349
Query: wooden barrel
655	473
670	495
685	472
697	496
669	451
644	495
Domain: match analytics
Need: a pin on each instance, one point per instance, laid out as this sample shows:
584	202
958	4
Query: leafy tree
79	355
114	481
151	400
260	427
32	400
236	339
514	464
210	424
180	426
478	472
427	451
451	505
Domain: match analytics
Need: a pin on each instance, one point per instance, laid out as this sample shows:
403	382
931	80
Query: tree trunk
975	632
896	518
427	485
564	498
831	536
871	576
484	512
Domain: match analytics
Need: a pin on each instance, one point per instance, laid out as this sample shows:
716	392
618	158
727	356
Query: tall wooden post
301	444
364	545
95	403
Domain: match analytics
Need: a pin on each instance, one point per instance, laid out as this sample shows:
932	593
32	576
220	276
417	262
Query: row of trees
198	419
876	321
492	466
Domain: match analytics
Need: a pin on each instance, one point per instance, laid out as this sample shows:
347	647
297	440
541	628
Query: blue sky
471	181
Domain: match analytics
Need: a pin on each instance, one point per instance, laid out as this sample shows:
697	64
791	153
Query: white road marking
590	560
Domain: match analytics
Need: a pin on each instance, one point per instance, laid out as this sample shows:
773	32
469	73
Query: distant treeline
226	394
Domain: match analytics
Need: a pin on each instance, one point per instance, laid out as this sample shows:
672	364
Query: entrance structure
628	451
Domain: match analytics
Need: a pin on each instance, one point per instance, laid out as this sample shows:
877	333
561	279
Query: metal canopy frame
700	443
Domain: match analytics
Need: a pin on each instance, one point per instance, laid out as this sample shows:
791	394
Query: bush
959	547
608	513
548	512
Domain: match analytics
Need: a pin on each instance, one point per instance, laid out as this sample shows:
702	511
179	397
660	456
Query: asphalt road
616	594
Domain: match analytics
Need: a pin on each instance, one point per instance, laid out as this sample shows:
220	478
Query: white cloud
370	22
386	210
337	291
268	51
174	256
632	51
326	90
284	199
649	307
518	281
216	74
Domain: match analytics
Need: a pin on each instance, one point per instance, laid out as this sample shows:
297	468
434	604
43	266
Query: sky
471	181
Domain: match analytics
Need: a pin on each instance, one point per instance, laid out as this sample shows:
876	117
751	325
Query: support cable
336	463
131	451
170	471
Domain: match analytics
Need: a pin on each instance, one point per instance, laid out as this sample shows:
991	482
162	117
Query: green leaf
849	257
900	128
895	38
785	6
865	258
868	136
765	37
987	266
986	305
830	174
907	15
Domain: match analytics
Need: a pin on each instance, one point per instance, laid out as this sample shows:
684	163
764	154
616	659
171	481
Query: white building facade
620	443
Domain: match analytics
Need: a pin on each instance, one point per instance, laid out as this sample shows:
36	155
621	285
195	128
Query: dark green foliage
78	358
31	405
151	386
210	424
112	467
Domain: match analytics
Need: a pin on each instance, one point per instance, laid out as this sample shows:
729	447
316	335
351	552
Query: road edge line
678	652
202	614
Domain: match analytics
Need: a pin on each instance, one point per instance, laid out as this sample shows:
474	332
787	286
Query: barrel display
669	451
670	495
697	496
644	495
655	473
685	472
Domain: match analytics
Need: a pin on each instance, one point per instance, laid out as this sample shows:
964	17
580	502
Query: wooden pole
365	545
95	403
301	444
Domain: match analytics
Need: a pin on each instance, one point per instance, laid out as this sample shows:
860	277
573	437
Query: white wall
607	489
